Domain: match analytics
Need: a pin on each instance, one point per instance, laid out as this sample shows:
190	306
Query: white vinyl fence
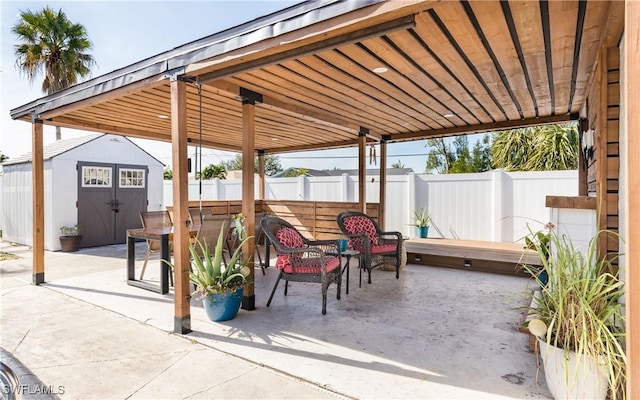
495	206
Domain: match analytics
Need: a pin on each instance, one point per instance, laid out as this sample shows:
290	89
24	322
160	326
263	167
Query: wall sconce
587	143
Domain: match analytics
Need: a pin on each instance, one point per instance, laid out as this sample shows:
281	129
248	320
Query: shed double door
110	197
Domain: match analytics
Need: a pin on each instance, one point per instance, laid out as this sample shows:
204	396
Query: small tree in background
167	174
212	172
293	172
452	155
397	164
271	164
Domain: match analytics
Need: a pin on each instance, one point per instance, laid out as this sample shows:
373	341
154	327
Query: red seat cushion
359	225
310	265
383	248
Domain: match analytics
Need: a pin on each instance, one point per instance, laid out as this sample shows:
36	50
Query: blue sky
124	32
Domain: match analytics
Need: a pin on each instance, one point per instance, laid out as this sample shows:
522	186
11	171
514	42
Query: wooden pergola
336	74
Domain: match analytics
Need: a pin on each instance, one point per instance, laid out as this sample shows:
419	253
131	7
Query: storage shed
98	181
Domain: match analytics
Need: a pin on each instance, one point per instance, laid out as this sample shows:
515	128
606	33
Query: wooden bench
474	255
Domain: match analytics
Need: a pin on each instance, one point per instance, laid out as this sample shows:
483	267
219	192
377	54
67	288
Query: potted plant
70	238
220	286
578	322
421	219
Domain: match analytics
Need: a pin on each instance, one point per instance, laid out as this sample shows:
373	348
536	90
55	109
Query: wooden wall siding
603	172
314	219
487	63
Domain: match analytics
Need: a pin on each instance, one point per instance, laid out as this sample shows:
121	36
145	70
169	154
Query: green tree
3	157
293	172
452	155
271	164
537	148
212	172
398	164
167	174
52	45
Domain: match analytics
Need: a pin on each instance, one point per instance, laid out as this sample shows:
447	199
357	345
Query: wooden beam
182	317
280	51
493	126
248	197
631	101
291	105
383	183
37	188
574	202
362	171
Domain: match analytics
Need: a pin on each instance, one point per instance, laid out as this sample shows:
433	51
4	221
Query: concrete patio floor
433	334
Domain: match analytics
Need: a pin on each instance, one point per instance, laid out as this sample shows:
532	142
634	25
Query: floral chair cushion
309	265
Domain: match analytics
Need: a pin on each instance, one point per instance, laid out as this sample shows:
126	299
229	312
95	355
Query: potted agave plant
421	219
220	285
578	322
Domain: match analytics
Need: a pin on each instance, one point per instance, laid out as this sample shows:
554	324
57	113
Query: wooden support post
261	181
182	317
37	172
383	180
248	191
631	102
362	169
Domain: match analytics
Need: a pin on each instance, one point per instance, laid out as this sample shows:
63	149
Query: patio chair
375	246
302	260
210	228
259	237
154	219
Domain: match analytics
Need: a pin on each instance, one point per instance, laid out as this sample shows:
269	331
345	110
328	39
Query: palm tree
51	44
537	148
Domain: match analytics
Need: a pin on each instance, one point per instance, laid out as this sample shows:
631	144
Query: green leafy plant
578	309
209	273
70	230
421	217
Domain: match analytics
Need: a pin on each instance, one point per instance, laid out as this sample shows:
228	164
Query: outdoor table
165	235
347	254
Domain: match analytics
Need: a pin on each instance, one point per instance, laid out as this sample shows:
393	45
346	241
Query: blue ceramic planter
422	231
223	306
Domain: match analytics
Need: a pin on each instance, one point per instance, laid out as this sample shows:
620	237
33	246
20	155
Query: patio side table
348	254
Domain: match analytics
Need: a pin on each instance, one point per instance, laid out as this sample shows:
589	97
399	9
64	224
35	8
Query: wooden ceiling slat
464	38
344	95
389	96
596	16
451	70
426	110
411	70
262	81
528	23
563	17
491	18
324	85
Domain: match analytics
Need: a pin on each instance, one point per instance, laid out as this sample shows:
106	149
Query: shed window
96	177
130	178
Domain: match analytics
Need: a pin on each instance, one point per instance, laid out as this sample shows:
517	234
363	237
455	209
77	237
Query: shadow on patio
434	333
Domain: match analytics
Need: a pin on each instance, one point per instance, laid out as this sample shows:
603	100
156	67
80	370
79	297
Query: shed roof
62	146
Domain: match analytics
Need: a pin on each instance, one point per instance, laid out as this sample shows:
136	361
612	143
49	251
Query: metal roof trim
262	28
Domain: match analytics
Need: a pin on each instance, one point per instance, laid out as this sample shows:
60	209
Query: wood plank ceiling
462	67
